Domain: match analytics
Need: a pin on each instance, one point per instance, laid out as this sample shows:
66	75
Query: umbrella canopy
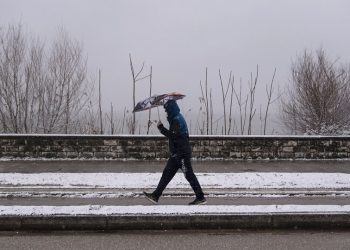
157	100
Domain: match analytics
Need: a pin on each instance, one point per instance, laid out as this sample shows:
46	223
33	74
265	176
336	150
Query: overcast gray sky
180	38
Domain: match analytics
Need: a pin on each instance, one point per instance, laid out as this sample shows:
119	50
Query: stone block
61	155
326	143
111	155
235	155
100	154
196	149
299	155
118	149
29	154
343	149
165	154
148	155
268	155
288	149
286	155
44	148
67	149
48	155
5	142
131	142
12	149
110	142
134	155
13	154
103	148
205	155
72	155
206	149
342	155
86	155
216	143
256	149
205	143
232	143
87	149
292	143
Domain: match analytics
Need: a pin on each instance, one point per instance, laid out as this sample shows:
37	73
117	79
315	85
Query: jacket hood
172	109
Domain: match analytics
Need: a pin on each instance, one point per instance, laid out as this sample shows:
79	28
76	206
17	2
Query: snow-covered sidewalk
263	180
56	211
171	210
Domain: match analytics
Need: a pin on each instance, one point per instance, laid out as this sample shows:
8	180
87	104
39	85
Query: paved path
134	201
316	191
76	166
78	193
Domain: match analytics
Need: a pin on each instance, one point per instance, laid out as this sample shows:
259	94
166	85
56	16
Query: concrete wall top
124	136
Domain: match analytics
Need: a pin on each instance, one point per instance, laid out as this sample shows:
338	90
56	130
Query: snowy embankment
150	180
171	210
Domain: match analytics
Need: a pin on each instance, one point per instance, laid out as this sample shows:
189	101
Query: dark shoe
198	201
151	197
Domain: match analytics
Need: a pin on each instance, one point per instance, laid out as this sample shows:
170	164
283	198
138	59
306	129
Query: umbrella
157	100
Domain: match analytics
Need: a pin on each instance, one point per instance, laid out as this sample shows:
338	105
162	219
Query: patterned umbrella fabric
157	100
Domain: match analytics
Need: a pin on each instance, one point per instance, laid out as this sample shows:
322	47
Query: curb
167	222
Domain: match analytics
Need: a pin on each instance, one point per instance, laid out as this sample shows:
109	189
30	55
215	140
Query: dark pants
170	170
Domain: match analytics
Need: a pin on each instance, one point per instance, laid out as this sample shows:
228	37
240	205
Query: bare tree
269	93
252	90
124	120
242	104
136	76
14	85
224	96
41	92
208	106
67	90
149	123
100	102
88	122
318	99
112	120
211	110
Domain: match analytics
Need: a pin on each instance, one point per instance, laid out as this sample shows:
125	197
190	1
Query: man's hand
159	124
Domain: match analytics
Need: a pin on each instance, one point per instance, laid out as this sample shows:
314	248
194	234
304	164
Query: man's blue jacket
177	133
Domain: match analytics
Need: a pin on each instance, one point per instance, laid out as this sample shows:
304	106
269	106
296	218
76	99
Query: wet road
203	240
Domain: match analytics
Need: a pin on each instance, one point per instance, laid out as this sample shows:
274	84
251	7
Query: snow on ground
171	210
150	180
92	194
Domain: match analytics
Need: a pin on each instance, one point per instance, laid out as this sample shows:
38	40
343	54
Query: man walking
180	155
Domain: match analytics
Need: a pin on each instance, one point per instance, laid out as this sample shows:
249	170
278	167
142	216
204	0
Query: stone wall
156	147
